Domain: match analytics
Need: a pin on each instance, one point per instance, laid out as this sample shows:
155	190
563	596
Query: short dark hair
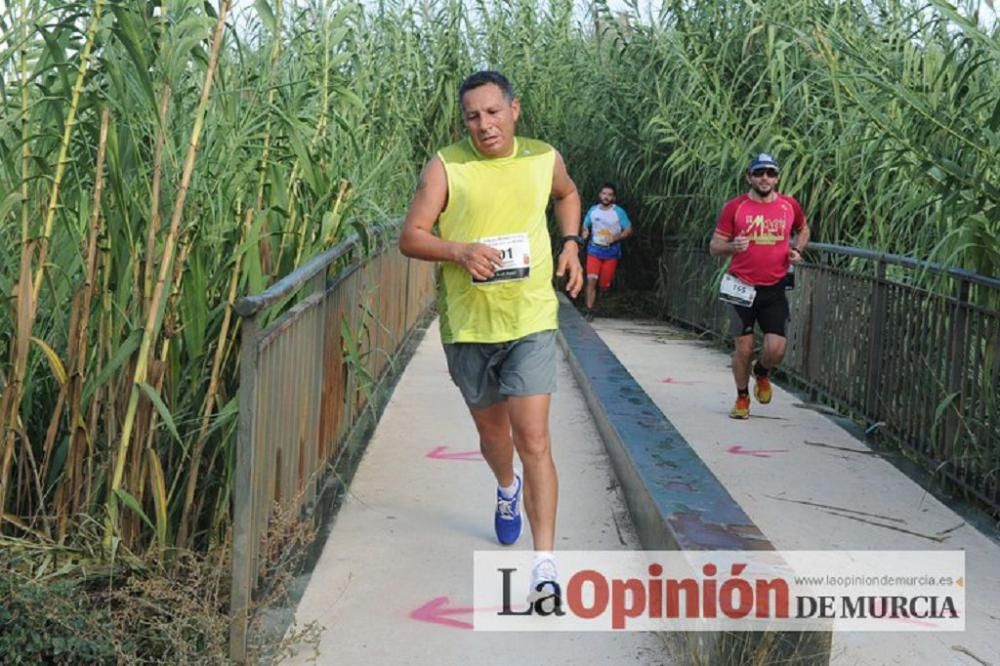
609	186
483	77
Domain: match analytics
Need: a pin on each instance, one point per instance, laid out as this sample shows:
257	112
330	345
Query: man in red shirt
755	229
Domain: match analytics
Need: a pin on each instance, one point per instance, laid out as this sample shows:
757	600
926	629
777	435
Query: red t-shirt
768	226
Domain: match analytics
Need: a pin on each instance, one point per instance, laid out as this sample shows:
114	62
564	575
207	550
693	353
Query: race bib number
602	238
735	291
515	258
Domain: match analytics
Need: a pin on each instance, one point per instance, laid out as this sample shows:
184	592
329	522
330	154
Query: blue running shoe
507	520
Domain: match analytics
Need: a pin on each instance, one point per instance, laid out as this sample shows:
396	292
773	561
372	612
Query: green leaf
124	352
131	502
8	204
305	161
251	260
161	408
226	415
943	405
128	34
266	15
329	227
59	454
194	305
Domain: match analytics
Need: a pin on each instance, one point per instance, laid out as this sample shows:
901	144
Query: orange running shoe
762	389
741	410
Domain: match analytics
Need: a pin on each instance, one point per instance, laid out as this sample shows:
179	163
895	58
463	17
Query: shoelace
506	507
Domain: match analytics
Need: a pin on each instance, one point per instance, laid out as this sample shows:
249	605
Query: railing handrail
248	306
907	262
303	358
920	362
877	255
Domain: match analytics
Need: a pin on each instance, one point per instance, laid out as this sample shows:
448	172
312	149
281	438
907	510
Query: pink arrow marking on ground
671	380
438	453
738	450
434	611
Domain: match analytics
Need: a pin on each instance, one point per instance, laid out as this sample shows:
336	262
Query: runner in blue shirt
605	225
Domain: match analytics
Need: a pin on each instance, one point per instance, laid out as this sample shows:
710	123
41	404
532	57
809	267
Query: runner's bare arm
623	235
801	240
418	240
724	246
567	210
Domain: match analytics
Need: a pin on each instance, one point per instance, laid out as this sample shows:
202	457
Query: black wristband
571	237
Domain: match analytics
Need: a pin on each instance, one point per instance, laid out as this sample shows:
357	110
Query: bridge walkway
394	582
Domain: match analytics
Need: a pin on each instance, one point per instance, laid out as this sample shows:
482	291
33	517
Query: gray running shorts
487	373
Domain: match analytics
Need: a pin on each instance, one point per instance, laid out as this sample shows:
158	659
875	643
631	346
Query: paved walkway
397	569
394	583
810	485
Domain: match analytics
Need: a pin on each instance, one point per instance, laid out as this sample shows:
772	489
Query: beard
761	192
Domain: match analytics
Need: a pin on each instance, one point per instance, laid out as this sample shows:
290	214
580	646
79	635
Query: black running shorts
769	311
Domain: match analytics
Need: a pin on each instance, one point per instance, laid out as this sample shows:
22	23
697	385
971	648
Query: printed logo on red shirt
768	225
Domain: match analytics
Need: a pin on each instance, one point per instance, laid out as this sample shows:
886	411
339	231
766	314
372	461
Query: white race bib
602	238
515	257
735	291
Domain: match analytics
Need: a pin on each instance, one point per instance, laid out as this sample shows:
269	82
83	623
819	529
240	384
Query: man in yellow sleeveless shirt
479	209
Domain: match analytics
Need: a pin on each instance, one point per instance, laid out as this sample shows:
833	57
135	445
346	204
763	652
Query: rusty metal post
244	548
317	286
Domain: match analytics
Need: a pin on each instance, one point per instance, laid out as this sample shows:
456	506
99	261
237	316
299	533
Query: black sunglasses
773	173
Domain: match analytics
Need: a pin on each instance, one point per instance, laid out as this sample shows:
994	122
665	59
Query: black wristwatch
572	237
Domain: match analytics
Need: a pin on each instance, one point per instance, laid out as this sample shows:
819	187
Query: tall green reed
119	374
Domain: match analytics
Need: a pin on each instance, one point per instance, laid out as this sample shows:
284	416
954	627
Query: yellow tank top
501	200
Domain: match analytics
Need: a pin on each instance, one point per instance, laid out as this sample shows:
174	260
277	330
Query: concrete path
419	506
421	502
810	485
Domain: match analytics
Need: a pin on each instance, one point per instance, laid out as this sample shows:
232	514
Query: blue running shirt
605	224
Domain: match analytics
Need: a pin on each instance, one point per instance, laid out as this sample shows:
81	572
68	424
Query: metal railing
312	346
910	346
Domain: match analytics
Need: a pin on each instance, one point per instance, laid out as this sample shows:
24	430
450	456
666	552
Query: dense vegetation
159	158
